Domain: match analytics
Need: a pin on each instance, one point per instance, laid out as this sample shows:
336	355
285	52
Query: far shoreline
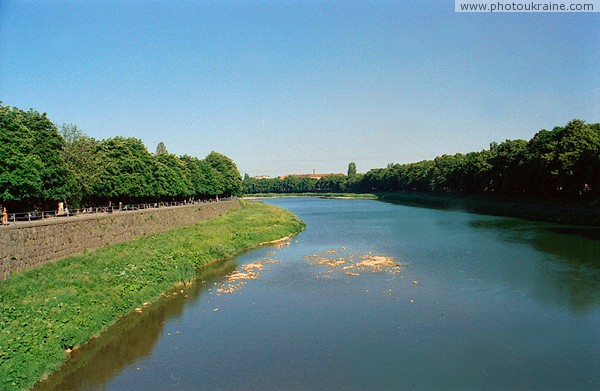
559	211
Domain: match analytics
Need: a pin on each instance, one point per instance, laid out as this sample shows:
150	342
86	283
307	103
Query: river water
468	302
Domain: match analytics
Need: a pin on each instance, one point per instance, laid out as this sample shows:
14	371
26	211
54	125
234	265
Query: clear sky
288	87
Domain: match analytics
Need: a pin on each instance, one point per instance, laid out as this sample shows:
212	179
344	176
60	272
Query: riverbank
27	245
565	211
49	311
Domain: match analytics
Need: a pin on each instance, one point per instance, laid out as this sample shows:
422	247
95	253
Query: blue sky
288	87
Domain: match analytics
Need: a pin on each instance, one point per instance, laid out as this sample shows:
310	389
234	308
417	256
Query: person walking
4	217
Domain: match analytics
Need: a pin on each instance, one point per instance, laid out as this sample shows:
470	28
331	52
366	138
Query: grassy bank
314	194
50	310
568	211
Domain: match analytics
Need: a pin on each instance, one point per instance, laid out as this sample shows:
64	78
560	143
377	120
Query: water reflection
574	256
498	304
109	354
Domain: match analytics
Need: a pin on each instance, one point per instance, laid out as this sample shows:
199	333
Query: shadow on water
110	354
574	251
586	232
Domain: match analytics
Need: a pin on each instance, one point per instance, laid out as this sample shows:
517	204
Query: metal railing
32	216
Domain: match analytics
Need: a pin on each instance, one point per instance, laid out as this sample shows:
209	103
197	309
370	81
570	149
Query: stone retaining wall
27	245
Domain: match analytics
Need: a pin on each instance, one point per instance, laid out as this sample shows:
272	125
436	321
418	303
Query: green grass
60	306
316	194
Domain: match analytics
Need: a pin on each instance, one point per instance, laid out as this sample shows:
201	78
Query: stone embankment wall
26	245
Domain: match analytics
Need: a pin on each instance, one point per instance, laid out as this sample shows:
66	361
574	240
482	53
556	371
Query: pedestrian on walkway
4	217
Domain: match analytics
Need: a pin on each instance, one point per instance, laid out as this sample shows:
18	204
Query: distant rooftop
313	175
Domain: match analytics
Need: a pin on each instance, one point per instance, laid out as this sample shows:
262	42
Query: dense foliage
562	162
41	165
32	168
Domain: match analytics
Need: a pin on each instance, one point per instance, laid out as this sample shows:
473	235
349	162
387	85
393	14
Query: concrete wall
26	245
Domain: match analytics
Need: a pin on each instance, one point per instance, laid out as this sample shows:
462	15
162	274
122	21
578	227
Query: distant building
262	177
313	175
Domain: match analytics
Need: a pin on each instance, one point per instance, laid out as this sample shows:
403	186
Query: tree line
41	165
295	184
562	162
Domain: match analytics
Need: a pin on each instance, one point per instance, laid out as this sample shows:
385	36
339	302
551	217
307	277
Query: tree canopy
562	162
351	169
40	165
227	172
32	169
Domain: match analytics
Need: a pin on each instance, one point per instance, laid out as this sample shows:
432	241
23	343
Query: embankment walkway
26	244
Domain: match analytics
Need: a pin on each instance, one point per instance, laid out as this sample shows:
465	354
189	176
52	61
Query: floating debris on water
230	288
237	279
354	265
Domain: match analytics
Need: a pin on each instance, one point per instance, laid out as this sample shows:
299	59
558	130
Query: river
372	295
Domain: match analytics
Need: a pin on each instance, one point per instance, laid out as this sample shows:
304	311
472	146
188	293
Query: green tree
48	145
126	172
264	185
201	176
161	149
477	168
332	183
578	154
205	181
172	178
564	160
20	169
32	170
373	180
419	175
447	172
80	155
353	183
351	169
230	177
508	160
